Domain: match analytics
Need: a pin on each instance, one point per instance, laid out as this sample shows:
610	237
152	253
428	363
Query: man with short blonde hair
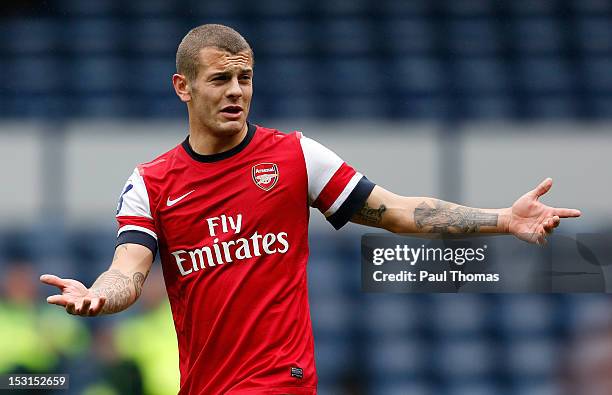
228	210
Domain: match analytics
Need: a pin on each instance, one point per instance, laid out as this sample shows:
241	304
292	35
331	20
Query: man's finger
567	212
96	306
542	188
70	308
548	225
556	221
541	238
84	309
59	300
50	279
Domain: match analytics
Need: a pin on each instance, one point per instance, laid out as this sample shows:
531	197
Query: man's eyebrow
228	72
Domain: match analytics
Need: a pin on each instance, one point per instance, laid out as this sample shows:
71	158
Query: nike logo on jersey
170	202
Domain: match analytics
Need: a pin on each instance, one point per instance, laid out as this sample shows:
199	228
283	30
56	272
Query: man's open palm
531	220
75	297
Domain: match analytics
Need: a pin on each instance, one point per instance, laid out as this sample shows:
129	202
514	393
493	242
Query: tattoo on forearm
444	218
370	215
121	247
118	289
139	279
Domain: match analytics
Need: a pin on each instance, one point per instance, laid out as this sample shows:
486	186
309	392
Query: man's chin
232	127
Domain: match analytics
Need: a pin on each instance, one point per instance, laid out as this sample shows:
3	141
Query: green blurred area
134	352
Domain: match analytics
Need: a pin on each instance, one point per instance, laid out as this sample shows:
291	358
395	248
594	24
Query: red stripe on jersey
136	221
334	187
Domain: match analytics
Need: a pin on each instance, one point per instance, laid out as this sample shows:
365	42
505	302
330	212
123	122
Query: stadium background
467	100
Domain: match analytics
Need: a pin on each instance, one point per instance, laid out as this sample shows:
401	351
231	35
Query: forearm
119	289
429	215
122	284
400	214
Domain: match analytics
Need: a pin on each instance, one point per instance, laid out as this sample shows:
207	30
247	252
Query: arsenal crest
265	175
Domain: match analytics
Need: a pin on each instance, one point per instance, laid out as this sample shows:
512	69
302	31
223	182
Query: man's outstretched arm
528	218
115	290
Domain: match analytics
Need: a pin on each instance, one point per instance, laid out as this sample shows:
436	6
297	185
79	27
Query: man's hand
531	220
75	297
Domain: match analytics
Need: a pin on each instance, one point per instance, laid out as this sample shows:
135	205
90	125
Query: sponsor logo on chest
265	175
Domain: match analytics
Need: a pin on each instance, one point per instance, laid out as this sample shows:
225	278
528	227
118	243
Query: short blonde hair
209	35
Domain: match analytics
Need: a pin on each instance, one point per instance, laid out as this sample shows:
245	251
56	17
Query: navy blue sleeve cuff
353	203
138	237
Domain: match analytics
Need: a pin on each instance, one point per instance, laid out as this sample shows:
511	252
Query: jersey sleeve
136	224
334	188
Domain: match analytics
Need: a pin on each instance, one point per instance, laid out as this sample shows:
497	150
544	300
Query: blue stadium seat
36	74
276	8
150	7
472	387
530	7
30	36
538	35
100	74
416	75
47	105
467	8
551	107
472	37
407	36
541	387
280	38
596	7
342	7
525	315
344	36
545	74
480	75
403	8
91	252
588	311
87	8
156	36
153	75
472	358
598	78
294	106
325	276
389	314
164	106
351	77
100	105
401	387
335	357
391	357
93	35
205	10
594	34
420	107
601	106
459	315
532	357
353	106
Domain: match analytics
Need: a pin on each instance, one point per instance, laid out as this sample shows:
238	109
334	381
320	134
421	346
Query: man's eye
220	78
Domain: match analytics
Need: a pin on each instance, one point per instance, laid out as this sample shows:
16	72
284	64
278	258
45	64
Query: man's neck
204	142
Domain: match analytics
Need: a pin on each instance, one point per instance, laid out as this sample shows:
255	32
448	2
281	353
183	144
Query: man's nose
234	88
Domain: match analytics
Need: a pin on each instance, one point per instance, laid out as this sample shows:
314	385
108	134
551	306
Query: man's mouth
231	110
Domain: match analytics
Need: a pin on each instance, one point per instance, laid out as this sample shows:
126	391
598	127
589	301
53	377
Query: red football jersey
232	233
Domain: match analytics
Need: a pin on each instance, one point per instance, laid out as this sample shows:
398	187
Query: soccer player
228	210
